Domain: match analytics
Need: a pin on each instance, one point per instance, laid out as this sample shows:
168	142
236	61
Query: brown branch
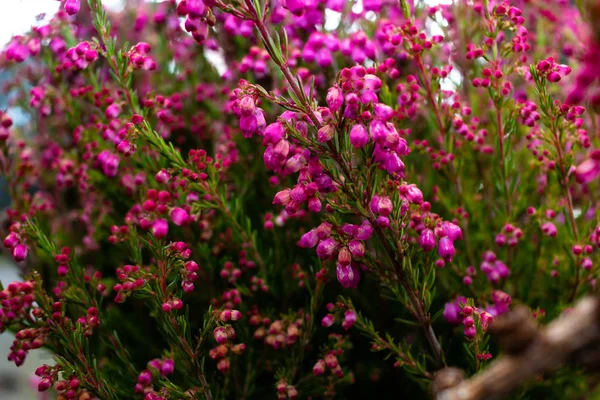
571	338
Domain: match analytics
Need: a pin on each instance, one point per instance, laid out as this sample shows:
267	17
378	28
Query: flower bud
549	229
427	240
349	319
358	136
382	205
334	99
383	222
414	194
327	321
326	248
347	275
309	239
452	231
19	252
179	216
470	332
220	335
11	240
167	368
162	176
326	133
282	198
446	249
319	368
72	7
160	228
113	111
357	248
344	256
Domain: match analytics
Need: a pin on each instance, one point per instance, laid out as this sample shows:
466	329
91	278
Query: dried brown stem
559	343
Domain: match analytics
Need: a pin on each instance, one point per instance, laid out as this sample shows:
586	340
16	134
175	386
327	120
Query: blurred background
17	17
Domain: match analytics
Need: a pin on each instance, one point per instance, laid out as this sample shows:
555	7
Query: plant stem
502	159
423	318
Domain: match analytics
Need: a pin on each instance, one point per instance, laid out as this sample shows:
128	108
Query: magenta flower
427	240
19	252
72	6
446	248
160	228
348	275
589	169
179	216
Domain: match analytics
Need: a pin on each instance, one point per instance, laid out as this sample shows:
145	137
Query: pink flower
589	169
179	216
160	228
19	252
358	136
446	248
72	7
427	240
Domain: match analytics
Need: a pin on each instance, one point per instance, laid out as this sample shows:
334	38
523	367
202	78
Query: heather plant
297	199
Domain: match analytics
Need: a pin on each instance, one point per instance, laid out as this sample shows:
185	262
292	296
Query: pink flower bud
223	365
383	222
452	231
549	229
468	321
344	256
62	270
427	240
554	77
145	377
225	315
357	248
382	205
586	263
334	99
358	136
327	321
220	335
326	133
44	384
587	171
446	249
179	216
414	194
160	228
319	368
282	198
348	275
236	315
11	240
470	332
167	368
125	147
19	252
349	319
113	111
273	133
326	248
383	111
162	176
393	163
331	360
72	7
309	239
